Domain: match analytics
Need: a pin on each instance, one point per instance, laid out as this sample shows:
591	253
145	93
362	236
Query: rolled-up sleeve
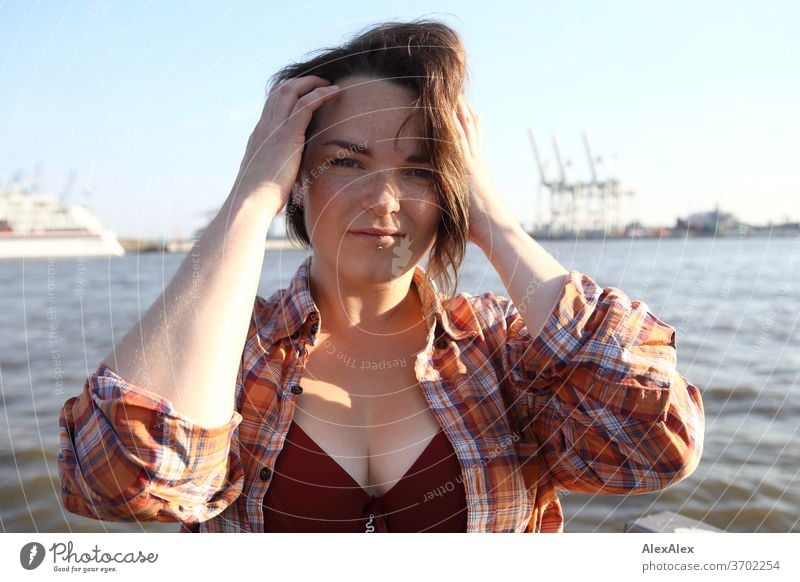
600	394
125	454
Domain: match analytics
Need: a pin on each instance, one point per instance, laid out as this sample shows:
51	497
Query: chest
367	411
358	406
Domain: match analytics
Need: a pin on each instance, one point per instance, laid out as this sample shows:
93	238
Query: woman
361	398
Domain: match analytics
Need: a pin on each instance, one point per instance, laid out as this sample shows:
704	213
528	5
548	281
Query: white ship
34	225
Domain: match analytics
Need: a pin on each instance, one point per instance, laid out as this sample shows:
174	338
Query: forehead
369	110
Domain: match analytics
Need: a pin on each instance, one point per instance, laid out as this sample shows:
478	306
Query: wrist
265	197
499	227
265	203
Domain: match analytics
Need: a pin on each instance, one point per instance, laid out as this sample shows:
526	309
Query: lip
377	231
377	236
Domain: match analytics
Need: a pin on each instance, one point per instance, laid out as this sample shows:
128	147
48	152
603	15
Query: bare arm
602	405
533	277
188	345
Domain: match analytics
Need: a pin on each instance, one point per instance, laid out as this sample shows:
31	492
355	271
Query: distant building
714	222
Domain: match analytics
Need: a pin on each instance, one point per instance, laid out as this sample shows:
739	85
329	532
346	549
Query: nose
381	193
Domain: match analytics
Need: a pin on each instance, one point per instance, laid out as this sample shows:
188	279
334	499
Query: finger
460	132
476	121
299	85
470	129
467	128
286	94
292	127
304	107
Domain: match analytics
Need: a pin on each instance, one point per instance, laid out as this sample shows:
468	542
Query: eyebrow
416	158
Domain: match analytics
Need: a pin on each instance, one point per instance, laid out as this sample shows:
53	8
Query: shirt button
265	474
296	389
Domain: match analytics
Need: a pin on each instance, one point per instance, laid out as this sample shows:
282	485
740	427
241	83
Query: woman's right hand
275	148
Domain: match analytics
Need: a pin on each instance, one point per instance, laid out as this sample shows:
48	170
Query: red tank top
310	492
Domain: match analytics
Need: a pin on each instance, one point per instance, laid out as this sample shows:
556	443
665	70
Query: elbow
121	458
685	425
120	493
688	451
683	460
100	490
675	444
677	455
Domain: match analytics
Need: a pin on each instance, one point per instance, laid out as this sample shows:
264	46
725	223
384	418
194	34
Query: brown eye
343	162
422	173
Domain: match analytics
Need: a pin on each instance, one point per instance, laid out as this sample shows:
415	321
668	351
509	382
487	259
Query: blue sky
688	103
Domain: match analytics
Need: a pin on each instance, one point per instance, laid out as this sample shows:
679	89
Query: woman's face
358	177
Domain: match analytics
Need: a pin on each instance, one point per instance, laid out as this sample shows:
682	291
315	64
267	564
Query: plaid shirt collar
296	308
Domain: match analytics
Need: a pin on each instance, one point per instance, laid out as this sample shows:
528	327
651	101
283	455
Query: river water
735	303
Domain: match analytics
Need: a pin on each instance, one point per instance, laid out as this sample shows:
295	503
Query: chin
383	267
375	270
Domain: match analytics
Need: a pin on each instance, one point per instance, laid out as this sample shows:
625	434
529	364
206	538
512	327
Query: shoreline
137	246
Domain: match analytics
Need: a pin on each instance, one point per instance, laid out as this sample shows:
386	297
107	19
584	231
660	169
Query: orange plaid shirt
593	404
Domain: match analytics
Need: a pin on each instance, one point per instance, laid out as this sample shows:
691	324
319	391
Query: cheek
331	184
327	207
426	212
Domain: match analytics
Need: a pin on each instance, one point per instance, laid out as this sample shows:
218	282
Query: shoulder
480	312
498	313
265	308
263	322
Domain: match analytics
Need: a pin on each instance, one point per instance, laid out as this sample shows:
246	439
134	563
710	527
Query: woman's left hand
485	206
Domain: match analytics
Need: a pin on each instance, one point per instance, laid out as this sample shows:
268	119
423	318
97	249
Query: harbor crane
592	207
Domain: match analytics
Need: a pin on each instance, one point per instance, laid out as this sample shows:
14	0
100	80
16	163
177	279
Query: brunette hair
429	58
